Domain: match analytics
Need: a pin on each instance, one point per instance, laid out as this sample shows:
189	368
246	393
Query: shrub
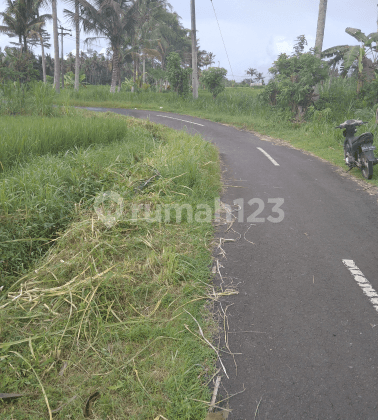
178	77
214	80
295	77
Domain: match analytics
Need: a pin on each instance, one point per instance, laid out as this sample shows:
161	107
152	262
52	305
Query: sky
255	32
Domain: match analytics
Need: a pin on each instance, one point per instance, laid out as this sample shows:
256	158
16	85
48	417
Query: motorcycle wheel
367	167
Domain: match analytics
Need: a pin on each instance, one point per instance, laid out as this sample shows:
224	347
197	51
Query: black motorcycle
358	151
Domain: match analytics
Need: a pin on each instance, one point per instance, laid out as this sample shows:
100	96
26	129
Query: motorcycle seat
364	138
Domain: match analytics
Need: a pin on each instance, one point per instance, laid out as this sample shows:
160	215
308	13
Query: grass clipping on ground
101	328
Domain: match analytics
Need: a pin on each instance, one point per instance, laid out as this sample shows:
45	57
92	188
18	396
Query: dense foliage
213	79
142	34
178	77
294	79
16	65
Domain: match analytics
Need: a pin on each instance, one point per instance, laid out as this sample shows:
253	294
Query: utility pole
320	27
194	50
56	47
62	34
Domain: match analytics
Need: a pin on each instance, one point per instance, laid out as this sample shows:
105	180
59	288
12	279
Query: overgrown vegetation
56	178
110	312
294	80
213	79
242	107
178	77
35	98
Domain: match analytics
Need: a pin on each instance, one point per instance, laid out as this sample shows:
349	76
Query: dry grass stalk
209	344
40	383
215	392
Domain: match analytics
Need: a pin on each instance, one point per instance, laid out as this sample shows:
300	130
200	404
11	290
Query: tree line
141	35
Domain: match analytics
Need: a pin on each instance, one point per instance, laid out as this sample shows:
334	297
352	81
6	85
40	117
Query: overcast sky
255	32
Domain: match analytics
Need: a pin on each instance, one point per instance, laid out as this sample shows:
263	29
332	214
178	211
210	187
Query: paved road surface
313	352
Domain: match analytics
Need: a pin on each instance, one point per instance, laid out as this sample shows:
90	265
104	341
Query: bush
19	66
295	78
370	91
214	80
177	76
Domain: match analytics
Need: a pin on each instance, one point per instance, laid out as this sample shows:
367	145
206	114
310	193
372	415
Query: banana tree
355	55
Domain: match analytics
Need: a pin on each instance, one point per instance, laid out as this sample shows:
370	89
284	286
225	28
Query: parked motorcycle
358	151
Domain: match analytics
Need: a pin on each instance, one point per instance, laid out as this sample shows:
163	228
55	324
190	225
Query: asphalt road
305	320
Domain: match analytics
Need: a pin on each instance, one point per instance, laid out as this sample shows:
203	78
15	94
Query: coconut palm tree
173	38
77	55
321	26
211	58
113	20
42	38
74	19
54	14
252	72
260	77
21	19
151	14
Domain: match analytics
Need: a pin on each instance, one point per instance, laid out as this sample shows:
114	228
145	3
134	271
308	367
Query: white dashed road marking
268	156
178	119
363	282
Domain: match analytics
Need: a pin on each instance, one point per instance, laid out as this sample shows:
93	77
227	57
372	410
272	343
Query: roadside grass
104	324
241	108
62	164
34	98
23	138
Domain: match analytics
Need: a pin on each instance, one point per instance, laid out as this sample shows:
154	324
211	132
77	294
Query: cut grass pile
104	325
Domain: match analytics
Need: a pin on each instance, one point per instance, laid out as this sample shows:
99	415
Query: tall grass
35	98
230	101
39	198
26	137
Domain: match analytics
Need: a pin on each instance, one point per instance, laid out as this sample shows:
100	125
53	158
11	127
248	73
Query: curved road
306	317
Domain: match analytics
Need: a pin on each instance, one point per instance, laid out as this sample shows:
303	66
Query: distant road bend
306	317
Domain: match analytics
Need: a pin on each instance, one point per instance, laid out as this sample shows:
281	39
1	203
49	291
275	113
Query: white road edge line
363	282
178	119
268	156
